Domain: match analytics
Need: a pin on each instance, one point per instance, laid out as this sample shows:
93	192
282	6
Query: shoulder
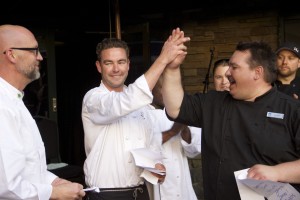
99	89
217	96
280	96
297	80
210	98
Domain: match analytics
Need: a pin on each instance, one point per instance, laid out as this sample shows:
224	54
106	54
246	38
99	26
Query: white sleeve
104	107
194	148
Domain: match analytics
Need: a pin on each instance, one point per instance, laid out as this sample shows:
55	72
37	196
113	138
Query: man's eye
123	62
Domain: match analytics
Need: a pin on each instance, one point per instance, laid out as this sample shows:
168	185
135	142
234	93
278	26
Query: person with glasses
23	166
34	49
116	119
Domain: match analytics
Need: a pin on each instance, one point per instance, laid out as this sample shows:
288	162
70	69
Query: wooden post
117	18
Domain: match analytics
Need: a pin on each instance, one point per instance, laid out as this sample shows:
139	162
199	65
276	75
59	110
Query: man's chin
232	90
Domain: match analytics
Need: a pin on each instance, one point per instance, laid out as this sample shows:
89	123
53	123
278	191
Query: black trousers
132	193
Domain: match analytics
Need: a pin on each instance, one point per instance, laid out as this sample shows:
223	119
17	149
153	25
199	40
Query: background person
288	63
221	81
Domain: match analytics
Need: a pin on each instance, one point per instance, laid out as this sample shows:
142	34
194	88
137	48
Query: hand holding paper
149	160
264	188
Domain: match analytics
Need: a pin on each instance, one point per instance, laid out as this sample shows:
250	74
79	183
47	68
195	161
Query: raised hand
174	47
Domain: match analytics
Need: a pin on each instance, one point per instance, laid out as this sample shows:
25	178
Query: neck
286	79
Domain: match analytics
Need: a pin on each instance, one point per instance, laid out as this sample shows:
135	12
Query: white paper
149	177
156	171
269	189
146	158
245	192
96	189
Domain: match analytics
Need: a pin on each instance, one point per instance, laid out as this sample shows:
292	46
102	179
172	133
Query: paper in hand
270	189
147	158
246	193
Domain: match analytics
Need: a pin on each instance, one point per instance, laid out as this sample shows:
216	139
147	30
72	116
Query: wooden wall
222	34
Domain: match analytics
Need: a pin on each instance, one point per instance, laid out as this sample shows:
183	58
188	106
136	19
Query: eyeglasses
36	49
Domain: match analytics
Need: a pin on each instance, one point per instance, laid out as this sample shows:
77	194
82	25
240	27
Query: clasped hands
174	49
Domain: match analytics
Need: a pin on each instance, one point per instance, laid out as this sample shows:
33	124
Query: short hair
261	54
108	43
220	63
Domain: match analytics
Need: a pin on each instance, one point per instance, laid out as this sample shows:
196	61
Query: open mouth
231	80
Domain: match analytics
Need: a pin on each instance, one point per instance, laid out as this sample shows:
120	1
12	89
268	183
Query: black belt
121	189
137	192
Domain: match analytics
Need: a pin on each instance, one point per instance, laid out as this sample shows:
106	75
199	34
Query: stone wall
221	34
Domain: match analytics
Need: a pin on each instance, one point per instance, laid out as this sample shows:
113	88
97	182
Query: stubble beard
32	73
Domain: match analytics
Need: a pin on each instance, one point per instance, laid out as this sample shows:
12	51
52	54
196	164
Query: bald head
14	35
19	56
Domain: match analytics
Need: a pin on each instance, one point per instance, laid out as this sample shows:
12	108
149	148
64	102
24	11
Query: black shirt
238	134
289	89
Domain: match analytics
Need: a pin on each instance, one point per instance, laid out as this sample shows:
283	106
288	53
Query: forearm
153	73
172	91
289	172
186	134
176	128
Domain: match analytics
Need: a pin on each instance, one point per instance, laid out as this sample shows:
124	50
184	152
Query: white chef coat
23	169
178	183
114	123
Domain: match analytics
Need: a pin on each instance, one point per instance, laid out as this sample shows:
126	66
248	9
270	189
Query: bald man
23	166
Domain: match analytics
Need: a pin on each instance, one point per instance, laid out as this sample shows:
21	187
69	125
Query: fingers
161	180
160	166
82	193
174	50
182	47
177	36
260	172
176	33
295	96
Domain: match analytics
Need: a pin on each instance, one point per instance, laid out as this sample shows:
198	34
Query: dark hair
108	43
261	54
220	63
